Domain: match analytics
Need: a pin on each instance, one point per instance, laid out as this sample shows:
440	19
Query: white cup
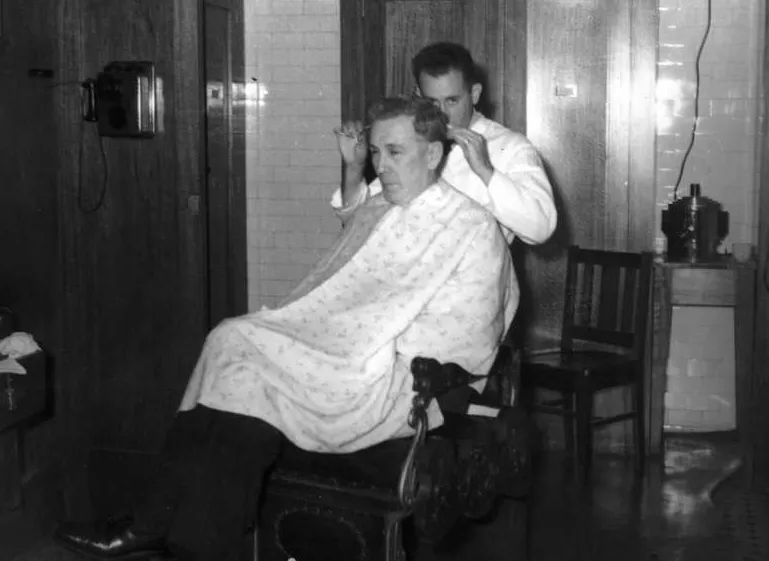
742	252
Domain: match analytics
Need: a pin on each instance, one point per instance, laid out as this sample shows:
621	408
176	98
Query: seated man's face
404	161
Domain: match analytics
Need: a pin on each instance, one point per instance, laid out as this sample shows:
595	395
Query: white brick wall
700	392
701	370
292	59
724	157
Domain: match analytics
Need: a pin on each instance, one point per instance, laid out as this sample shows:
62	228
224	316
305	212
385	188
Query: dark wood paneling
410	25
77	324
28	214
28	221
114	289
362	42
134	266
379	38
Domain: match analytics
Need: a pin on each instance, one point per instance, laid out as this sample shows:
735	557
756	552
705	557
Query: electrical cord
696	100
81	203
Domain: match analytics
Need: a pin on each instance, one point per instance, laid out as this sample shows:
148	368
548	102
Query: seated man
419	270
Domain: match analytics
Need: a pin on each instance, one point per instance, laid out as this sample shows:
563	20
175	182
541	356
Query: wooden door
132	229
225	196
28	215
380	37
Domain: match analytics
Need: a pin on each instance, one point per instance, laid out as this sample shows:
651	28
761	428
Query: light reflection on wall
674	98
255	93
250	94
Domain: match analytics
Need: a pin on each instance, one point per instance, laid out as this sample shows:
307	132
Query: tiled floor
672	514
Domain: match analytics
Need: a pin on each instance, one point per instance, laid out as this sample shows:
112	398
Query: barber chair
359	506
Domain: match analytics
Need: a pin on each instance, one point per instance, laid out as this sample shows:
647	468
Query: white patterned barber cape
330	367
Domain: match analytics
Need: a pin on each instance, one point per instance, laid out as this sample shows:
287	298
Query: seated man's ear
434	155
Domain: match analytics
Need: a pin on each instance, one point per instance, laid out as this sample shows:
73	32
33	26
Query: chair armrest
431	379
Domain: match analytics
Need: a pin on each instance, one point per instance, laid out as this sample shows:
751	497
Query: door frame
225	206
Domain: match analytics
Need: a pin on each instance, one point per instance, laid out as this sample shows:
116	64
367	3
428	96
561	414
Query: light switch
566	90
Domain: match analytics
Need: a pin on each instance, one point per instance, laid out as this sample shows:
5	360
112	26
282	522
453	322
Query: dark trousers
213	467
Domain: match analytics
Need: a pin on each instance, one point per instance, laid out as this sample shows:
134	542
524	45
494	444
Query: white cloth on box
13	347
330	367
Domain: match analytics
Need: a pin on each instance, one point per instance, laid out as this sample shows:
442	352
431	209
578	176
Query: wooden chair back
607	300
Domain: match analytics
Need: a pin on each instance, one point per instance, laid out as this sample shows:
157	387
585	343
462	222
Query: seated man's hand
351	140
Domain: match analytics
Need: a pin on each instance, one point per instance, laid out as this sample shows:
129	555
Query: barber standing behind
498	168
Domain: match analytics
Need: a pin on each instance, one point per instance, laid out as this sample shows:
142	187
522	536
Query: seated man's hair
429	121
439	59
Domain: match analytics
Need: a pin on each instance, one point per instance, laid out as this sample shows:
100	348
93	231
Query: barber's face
404	161
452	95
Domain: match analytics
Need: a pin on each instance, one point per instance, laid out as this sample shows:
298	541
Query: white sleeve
521	197
344	212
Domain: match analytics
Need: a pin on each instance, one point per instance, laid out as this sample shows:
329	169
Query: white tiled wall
700	386
724	157
700	393
292	62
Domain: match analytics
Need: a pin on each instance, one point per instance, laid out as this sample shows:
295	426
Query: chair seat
375	468
563	370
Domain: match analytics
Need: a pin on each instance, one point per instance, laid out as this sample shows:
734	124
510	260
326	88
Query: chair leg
568	424
638	424
584	415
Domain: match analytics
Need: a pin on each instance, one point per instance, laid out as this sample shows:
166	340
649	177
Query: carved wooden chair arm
437	468
431	379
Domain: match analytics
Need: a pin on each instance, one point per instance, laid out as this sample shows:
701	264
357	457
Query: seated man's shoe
110	540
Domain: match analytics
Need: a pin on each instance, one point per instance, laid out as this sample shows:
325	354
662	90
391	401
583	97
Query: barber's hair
441	58
429	121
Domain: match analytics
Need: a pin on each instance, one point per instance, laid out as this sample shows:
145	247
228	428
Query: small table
722	283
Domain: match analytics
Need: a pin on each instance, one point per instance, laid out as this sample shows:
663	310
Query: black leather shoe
111	540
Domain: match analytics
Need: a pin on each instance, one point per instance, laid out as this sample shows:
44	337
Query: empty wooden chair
606	307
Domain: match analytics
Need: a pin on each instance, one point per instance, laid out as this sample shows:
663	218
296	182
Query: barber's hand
351	139
476	152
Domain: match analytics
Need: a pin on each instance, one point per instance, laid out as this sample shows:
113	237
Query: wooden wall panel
28	220
569	132
115	291
598	145
362	42
134	268
224	162
410	25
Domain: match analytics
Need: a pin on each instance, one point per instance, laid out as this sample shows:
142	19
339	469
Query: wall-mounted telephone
122	99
